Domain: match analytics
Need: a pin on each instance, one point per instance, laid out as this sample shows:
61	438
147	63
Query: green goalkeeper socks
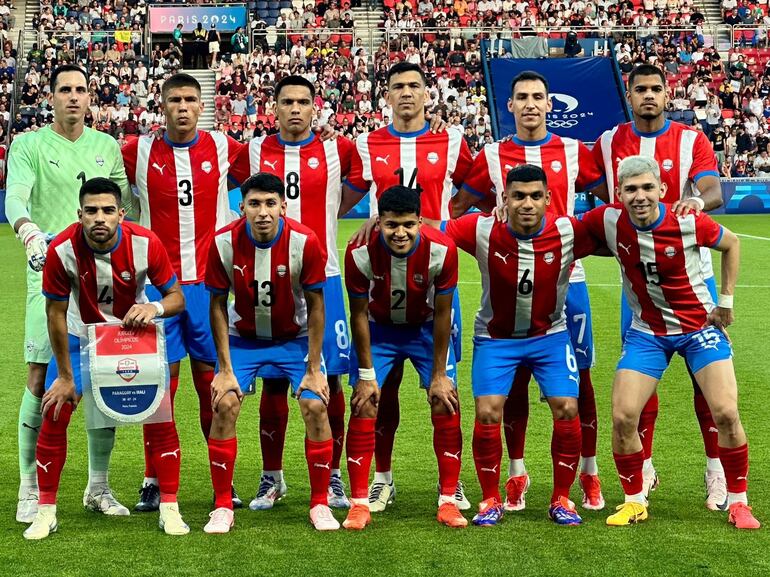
100	443
30	420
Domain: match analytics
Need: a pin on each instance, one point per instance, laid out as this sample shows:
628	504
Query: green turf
681	537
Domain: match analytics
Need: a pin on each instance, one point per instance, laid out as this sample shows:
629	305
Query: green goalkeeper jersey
46	171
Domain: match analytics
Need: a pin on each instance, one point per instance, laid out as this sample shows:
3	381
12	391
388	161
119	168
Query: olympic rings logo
561	123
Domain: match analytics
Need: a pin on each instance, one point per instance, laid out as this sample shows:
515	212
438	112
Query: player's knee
313	412
367	411
624	422
726	418
488	414
36	379
229	408
563	408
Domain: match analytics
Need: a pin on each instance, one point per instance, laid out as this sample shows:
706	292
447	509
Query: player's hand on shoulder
364	392
686	206
362	234
442	391
62	391
139	316
315	382
326	132
437	123
224	382
501	213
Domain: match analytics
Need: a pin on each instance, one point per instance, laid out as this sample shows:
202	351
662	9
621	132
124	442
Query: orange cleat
450	515
358	517
742	517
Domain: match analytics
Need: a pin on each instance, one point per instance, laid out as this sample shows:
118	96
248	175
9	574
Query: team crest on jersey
669	251
418	278
432	157
99	160
667	164
313	163
281	270
127	369
125	275
206	166
548	257
556	166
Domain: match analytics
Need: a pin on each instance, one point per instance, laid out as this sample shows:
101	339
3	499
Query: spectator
214	40
240	46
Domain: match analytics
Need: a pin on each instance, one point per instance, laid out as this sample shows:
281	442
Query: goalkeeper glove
36	244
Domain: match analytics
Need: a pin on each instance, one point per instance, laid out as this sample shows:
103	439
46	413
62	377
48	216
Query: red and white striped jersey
183	194
401	289
429	162
660	264
312	172
524	279
268	280
684	155
104	286
568	164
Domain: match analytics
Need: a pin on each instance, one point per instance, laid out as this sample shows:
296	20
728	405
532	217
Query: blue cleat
490	513
562	512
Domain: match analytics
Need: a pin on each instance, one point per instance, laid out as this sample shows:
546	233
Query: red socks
708	428
565	453
360	450
516	414
630	471
587	413
735	462
388	417
222	453
448	445
149	467
162	443
202	383
336	412
51	452
273	420
319	456
487	452
647	425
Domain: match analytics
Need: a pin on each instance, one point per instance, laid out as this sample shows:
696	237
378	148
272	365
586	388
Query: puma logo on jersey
174	453
570	467
54	162
240	269
625	248
713	430
356	461
377	277
269	435
159	168
582	351
455	456
345	356
322	465
270	164
503	258
44	467
83	276
746	478
220	465
492	470
382	159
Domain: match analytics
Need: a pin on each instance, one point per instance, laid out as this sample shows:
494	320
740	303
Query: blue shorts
550	358
190	330
626	315
650	355
579	325
456	333
252	357
336	347
392	345
53	371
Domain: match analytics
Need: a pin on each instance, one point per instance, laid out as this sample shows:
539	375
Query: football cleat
627	514
221	521
515	489
336	493
26	508
592	492
101	500
358	517
459	496
490	513
449	515
562	512
237	503
44	524
322	519
716	491
381	495
650	482
269	492
149	498
170	520
742	517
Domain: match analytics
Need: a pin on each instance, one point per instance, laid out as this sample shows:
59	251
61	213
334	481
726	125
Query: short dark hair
526	173
294	80
528	75
100	185
265	182
66	68
405	66
399	200
645	70
179	80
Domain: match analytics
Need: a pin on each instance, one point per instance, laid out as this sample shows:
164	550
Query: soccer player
525	263
312	170
407	153
672	312
272	266
45	172
569	167
690	171
101	264
401	284
181	184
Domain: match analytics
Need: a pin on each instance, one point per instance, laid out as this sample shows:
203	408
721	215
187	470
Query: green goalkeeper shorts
37	347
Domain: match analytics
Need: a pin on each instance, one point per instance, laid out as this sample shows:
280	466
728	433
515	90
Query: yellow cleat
628	514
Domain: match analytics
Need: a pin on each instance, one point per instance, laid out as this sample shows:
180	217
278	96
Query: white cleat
716	491
650	482
221	521
322	519
270	491
380	496
101	500
336	493
44	524
26	508
171	521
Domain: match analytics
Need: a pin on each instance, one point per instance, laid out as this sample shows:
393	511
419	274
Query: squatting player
272	266
673	312
525	265
100	266
401	283
45	172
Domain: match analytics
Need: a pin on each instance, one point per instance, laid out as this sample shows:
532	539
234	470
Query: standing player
672	312
101	265
45	171
271	265
407	153
401	284
312	170
181	183
525	265
569	167
692	178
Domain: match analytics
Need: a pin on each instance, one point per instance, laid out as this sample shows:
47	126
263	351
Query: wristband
366	375
699	201
159	308
725	301
27	231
